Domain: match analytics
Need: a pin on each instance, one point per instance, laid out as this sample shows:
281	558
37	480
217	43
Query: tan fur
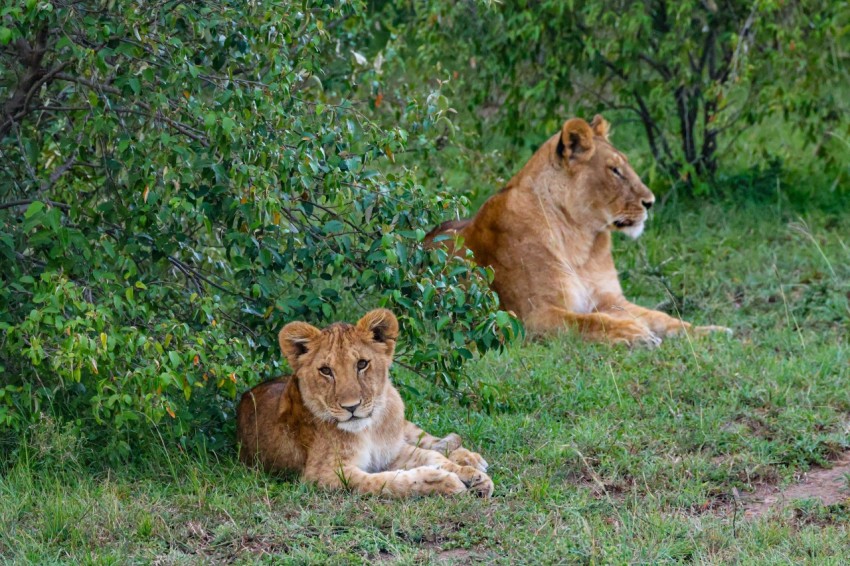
547	236
347	429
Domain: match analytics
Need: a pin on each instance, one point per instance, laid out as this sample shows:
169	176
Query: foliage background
178	181
691	84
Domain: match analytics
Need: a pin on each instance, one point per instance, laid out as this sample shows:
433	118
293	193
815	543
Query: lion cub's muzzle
353	417
355	420
353	411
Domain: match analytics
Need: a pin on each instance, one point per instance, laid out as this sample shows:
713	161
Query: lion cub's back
264	420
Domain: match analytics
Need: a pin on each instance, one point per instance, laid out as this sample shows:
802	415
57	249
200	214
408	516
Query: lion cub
339	421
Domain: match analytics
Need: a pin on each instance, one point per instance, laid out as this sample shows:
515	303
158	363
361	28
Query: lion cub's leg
396	482
594	325
412	458
450	446
415	436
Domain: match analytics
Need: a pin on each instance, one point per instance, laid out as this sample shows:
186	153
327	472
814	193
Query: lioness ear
600	126
576	143
295	340
382	325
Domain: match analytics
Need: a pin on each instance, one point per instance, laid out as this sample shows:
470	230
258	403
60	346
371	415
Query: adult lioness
340	423
547	236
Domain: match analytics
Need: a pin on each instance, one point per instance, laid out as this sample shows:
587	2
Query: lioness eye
325	370
617	172
362	364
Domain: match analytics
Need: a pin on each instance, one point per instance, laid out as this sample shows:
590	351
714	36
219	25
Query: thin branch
184	129
662	69
24	107
184	266
239	324
30	57
24	157
65	166
744	41
101	87
186	273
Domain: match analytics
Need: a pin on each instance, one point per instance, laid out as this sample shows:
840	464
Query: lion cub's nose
647	204
350	408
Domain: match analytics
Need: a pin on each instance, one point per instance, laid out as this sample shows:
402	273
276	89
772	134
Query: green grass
599	454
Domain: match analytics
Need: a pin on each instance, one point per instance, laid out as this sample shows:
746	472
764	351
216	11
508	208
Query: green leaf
333	226
33	209
174	358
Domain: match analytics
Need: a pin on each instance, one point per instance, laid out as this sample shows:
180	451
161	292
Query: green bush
177	181
691	75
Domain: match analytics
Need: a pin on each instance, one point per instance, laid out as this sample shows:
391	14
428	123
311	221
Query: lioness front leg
662	323
594	325
413	458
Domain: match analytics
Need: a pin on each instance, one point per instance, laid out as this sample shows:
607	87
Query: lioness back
339	422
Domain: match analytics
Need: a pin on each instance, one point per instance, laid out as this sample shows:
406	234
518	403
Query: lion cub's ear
576	143
383	327
295	340
600	126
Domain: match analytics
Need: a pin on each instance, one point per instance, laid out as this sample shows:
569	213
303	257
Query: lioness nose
351	408
647	204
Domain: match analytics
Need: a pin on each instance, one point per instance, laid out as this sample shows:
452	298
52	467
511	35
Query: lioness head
603	175
343	370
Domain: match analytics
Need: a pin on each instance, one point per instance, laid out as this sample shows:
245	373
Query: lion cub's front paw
464	457
448	443
476	481
632	333
440	482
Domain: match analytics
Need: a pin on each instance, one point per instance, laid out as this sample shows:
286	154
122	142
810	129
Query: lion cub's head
343	370
604	180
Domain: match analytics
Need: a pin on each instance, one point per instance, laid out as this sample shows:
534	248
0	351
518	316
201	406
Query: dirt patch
828	485
201	544
456	556
452	556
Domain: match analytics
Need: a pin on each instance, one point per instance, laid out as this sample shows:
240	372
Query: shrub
179	180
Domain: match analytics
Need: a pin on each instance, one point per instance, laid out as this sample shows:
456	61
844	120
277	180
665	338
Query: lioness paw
650	340
464	457
632	334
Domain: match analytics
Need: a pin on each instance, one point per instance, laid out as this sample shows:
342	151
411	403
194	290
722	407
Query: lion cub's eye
361	365
326	371
617	172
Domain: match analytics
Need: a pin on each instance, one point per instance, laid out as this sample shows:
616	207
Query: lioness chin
339	422
547	236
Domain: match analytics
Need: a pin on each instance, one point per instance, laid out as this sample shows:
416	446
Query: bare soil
828	485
